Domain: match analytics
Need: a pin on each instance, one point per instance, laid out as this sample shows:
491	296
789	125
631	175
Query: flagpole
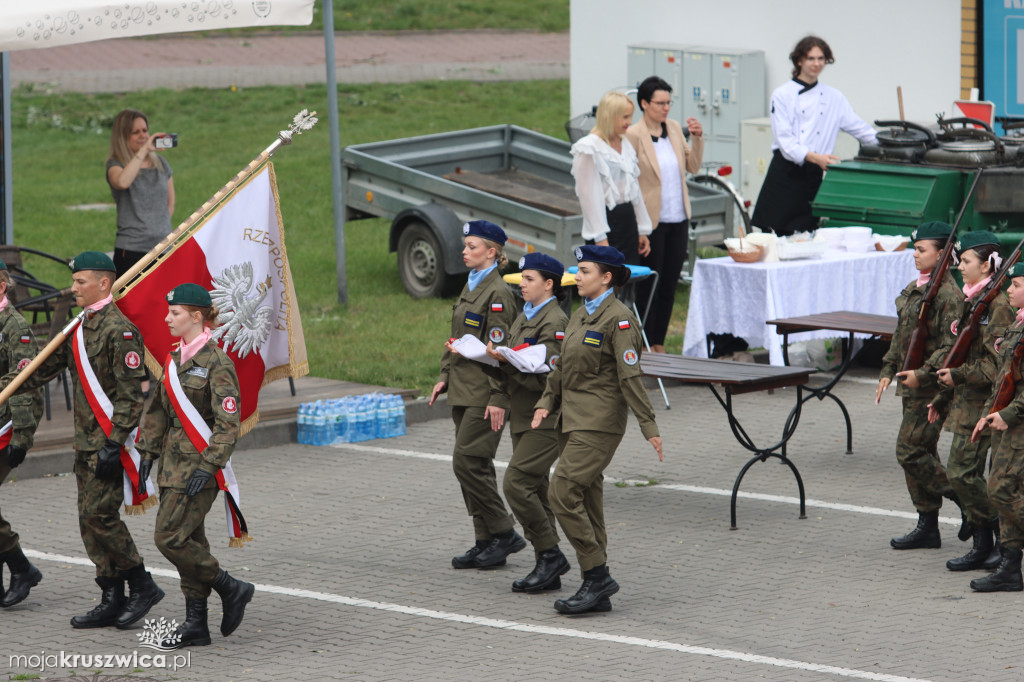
39	359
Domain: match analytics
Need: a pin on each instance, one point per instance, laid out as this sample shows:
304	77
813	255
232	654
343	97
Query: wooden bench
737	378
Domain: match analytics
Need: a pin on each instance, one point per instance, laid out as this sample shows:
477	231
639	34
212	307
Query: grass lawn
383	336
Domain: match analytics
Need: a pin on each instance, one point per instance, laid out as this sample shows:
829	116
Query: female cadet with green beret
916	443
966	388
1006	477
191	426
485	309
542	322
596	377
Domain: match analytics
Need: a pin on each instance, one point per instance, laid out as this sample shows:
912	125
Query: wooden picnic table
848	322
737	378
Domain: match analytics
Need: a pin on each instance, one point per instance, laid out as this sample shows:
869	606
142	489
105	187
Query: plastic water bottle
382	425
398	427
319	424
341	421
301	423
359	412
367	418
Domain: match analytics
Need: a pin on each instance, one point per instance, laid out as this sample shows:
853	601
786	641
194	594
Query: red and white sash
103	410
6	431
199	435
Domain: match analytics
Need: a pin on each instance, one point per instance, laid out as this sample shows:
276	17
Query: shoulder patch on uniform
630	357
229	405
497	307
953	327
132	360
623	324
26	338
559	336
473	320
23	363
593	339
127	335
496	335
553	362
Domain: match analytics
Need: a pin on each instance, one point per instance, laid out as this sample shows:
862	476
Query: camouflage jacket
209	381
115	351
944	312
972	381
18	347
522	391
487	313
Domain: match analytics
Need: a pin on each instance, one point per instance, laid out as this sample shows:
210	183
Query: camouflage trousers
8	538
105	536
577	492
1006	489
473	464
526	485
918	454
965	469
180	535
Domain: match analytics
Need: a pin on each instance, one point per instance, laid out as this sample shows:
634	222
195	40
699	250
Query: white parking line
811	504
513	626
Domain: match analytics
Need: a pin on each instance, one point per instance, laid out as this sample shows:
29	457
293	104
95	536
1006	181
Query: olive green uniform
487	313
972	386
596	377
16	346
1006	477
209	382
115	351
916	444
533	450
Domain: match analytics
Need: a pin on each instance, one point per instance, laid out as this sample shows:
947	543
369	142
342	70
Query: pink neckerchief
99	305
971	289
923	278
1020	316
191	348
3	303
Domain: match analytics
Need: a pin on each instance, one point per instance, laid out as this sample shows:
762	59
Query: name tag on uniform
593	339
201	372
530	341
473	320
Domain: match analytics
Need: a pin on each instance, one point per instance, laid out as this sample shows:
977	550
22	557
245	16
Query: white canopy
28	24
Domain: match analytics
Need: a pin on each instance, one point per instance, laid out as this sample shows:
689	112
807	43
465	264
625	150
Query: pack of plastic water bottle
352	419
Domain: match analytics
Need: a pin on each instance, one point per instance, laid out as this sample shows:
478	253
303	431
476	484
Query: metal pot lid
1012	139
969	146
902	137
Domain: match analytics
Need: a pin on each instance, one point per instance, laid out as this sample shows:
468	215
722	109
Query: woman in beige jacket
664	158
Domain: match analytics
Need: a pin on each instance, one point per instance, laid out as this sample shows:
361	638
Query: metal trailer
429	186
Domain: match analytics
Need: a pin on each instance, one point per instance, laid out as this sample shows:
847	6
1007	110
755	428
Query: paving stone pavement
352	561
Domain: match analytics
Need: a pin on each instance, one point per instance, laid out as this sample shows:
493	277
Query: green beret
971	240
3	265
1017	270
92	260
935	229
189	294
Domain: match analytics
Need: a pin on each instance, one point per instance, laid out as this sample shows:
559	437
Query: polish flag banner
236	252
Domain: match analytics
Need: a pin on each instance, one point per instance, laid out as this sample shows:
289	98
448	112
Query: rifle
958	353
915	349
1006	389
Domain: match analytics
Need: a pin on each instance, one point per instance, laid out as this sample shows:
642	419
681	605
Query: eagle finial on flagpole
304	120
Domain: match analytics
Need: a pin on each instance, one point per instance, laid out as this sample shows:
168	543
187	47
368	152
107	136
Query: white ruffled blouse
605	179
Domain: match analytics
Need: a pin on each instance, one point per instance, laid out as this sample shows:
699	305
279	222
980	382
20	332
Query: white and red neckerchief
199	433
103	411
6	431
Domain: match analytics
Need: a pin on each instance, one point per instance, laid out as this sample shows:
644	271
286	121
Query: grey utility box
720	87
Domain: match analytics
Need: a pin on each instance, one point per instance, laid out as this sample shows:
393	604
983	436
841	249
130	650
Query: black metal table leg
825	391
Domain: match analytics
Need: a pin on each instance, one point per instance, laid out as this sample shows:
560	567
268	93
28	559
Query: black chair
28	293
60	304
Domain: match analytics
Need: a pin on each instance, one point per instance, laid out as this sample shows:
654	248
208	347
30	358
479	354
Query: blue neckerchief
592	304
530	310
477	276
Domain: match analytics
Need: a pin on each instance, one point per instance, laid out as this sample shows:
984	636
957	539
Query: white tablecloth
738	298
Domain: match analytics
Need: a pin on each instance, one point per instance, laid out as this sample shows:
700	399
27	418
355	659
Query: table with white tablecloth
738	298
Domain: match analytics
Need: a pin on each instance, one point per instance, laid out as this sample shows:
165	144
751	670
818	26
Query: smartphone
167	141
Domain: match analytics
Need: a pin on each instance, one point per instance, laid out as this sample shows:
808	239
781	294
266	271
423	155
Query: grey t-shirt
142	217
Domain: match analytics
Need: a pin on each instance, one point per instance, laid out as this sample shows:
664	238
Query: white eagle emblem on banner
245	324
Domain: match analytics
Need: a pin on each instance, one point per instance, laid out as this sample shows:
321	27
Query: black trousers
784	204
622	232
124	259
669	243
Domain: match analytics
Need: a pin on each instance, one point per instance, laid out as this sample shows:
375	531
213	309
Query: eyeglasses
665	103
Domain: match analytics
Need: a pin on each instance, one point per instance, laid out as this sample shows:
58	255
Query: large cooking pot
900	141
968	147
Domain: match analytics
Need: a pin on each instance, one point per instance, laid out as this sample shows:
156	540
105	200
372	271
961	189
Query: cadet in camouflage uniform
596	377
916	443
114	348
485	309
187	480
17	347
966	388
525	484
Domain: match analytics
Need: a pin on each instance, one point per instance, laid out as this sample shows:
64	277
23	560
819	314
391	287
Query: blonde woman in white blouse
605	167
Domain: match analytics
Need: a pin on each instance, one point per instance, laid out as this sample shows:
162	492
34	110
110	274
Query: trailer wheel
421	262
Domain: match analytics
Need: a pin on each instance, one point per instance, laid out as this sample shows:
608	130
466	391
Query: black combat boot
1007	577
105	613
996	557
501	545
24	576
143	594
925	535
468	558
597	585
234	595
975	558
551	564
194	631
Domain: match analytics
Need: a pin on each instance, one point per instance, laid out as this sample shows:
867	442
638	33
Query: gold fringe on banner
240	542
140	509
